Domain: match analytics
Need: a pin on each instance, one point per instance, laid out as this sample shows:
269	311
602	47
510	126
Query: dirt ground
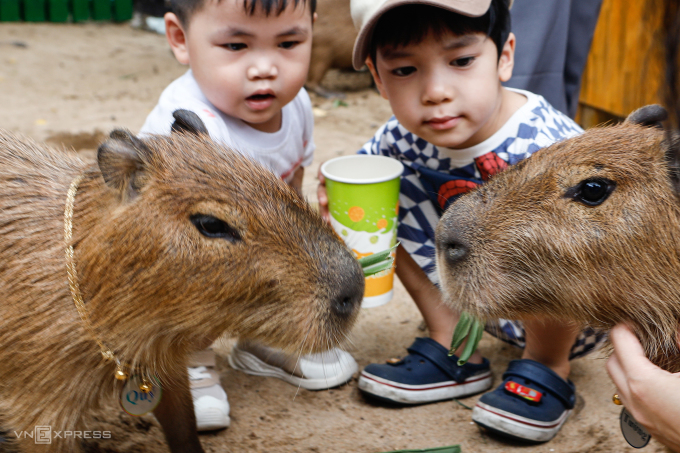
72	84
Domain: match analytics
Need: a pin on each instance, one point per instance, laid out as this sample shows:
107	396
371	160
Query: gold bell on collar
121	375
145	386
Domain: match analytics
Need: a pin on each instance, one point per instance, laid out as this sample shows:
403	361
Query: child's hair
183	9
409	24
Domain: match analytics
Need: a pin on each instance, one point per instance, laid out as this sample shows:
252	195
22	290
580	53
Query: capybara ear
187	121
649	115
672	149
121	162
653	116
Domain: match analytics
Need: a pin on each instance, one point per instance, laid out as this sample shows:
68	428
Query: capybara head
177	240
587	229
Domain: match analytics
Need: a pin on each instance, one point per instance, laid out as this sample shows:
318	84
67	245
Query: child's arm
296	182
322	196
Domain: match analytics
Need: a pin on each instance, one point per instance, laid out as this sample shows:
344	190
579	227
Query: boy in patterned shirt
440	63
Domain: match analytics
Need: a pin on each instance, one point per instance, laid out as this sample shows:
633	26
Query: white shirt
283	151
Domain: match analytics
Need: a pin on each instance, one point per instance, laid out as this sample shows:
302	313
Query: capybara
332	43
176	241
587	229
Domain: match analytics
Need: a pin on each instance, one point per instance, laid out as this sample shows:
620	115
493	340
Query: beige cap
365	14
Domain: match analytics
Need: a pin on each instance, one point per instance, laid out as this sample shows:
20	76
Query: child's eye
403	72
462	62
289	44
234	46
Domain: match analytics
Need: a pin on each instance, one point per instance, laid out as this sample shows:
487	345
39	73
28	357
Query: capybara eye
212	227
593	192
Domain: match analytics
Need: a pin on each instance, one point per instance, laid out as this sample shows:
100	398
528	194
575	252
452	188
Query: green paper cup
363	203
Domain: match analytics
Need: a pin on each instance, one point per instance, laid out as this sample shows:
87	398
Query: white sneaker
210	400
312	371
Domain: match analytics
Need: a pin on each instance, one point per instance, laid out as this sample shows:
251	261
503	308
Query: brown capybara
177	240
587	229
332	43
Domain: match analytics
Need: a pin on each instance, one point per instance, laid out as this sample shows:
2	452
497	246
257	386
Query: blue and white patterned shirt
434	177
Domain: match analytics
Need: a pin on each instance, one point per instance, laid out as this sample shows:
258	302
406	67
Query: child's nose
437	90
262	69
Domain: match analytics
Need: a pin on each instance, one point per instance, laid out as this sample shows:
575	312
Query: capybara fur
332	43
177	240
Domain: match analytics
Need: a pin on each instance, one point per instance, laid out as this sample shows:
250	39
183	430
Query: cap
366	13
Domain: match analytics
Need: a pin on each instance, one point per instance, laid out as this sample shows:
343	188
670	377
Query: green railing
65	10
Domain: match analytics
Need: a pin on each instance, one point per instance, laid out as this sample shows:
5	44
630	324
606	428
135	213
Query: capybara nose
347	301
451	246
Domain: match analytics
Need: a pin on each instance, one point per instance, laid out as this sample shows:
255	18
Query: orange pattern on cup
355	213
378	285
360	255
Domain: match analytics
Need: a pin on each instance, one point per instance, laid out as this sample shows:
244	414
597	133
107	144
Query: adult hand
322	196
650	394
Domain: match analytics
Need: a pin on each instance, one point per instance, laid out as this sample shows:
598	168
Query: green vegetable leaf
468	327
376	257
377	262
378	267
461	331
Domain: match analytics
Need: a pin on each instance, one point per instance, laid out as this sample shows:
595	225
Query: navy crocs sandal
531	404
426	375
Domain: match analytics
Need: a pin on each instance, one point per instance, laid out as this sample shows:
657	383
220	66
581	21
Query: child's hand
650	394
322	196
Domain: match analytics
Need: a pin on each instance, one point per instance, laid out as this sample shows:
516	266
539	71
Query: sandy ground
72	84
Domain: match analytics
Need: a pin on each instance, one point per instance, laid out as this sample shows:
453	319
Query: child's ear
176	37
376	77
507	60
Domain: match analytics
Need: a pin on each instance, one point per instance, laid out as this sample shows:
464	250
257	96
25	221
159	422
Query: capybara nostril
454	252
347	302
450	243
345	276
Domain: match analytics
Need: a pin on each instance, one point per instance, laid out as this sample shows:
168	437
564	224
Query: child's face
248	66
445	90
